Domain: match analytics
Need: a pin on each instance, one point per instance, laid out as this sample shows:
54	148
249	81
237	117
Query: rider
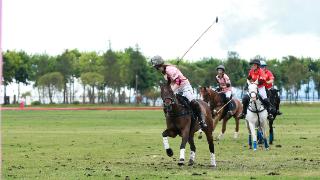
224	84
256	73
179	85
269	80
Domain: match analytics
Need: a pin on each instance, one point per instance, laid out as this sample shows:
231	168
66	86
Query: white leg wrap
220	136
165	142
192	155
236	135
182	152
213	159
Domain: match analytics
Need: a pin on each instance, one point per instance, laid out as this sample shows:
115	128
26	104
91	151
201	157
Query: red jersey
259	75
269	76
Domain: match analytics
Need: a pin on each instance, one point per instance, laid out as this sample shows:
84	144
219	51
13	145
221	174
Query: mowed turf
128	145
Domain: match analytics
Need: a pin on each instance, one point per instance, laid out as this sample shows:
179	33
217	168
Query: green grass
116	144
78	105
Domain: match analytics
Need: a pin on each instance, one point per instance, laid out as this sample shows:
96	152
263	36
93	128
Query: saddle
186	103
224	101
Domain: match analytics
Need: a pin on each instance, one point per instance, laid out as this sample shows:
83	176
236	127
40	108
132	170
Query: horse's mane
214	97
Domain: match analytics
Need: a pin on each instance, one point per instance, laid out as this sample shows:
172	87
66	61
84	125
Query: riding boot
278	112
229	107
245	103
278	106
267	104
197	111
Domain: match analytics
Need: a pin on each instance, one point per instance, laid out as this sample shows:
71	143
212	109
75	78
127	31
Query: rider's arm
174	87
227	79
271	77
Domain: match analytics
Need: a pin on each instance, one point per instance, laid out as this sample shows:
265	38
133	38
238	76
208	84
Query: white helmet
263	63
156	61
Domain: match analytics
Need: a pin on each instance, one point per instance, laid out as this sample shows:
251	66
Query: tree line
106	77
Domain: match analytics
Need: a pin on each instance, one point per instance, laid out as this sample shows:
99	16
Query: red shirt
259	75
269	76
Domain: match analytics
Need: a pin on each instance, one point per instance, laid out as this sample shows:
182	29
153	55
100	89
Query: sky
270	28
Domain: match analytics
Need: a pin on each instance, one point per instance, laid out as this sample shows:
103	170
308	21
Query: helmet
263	63
221	67
255	61
156	61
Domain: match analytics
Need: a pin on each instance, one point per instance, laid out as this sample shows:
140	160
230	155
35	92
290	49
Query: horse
256	116
275	101
218	109
181	121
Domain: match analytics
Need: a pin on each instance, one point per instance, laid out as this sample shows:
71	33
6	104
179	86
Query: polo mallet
215	22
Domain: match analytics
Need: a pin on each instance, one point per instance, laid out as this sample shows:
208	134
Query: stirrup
270	117
230	113
242	116
203	125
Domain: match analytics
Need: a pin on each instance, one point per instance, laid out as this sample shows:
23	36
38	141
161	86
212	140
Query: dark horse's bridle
167	105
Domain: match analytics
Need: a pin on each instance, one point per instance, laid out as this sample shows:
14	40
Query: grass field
128	145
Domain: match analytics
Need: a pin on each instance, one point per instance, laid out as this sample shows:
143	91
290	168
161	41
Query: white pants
262	92
228	94
186	91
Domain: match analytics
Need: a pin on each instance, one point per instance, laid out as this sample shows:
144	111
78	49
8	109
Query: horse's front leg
253	134
165	134
185	137
264	126
216	119
236	132
271	136
211	148
250	136
192	150
223	130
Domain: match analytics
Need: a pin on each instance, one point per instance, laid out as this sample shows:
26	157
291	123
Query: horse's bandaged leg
236	135
254	145
220	136
213	159
182	153
192	155
165	142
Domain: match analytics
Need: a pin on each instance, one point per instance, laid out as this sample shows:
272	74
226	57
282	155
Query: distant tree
52	82
92	79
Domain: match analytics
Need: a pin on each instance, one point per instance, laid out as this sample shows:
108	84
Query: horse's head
205	94
253	90
167	96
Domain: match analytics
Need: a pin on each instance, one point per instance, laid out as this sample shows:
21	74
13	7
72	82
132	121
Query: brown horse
217	107
180	121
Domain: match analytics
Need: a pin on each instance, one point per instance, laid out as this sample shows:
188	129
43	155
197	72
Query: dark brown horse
180	121
217	107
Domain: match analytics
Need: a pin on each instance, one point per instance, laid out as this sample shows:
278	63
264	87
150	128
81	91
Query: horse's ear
248	82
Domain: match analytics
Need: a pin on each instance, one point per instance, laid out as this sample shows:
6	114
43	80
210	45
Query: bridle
167	105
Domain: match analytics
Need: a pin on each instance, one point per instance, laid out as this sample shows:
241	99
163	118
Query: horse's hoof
181	162
270	142
191	162
169	152
250	147
213	166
